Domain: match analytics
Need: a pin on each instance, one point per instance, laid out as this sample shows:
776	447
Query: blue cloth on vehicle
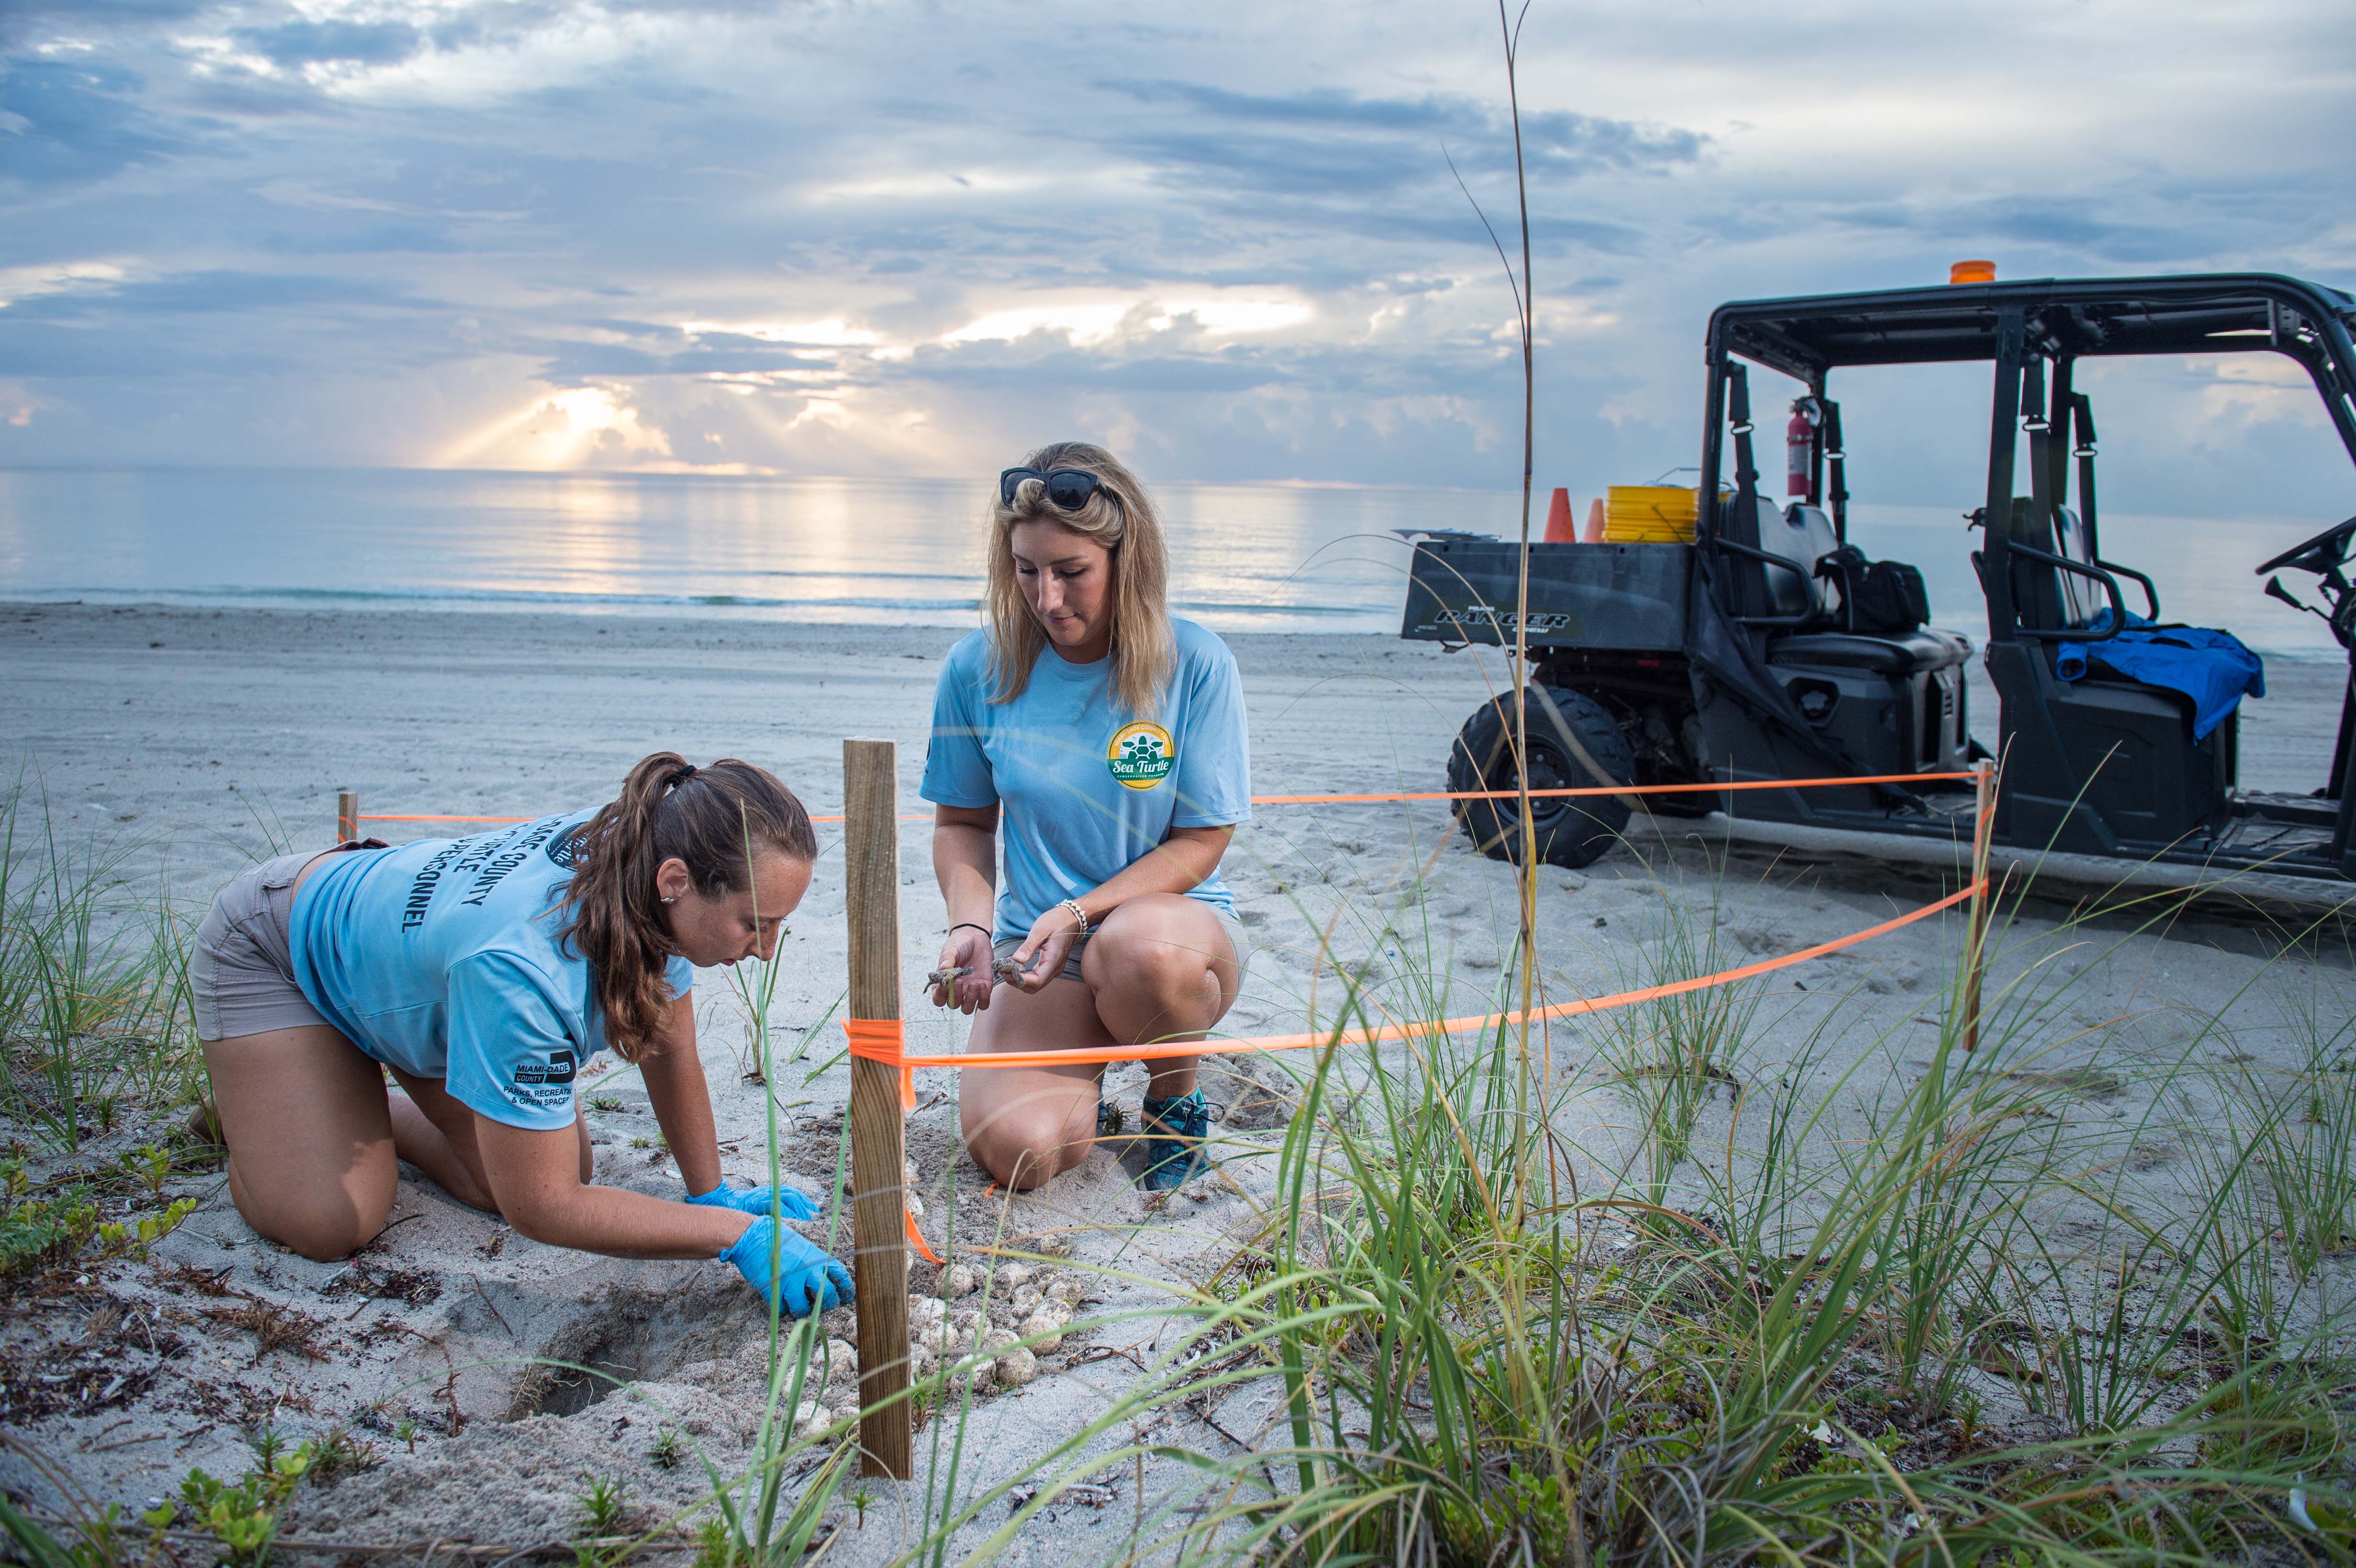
2214	668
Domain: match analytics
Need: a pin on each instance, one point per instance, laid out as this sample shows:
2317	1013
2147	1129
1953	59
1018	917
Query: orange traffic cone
1594	534
1558	528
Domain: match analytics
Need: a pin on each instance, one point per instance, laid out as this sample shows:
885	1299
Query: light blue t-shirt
1086	787
441	958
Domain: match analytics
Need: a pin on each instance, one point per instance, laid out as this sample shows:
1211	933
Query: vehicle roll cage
2020	327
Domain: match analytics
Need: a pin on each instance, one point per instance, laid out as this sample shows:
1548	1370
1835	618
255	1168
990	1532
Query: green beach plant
1568	1391
95	1009
1823	1332
1668	1056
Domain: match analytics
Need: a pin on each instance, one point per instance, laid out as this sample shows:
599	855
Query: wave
558	598
404	595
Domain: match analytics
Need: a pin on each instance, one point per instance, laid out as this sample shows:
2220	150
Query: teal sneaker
1175	1133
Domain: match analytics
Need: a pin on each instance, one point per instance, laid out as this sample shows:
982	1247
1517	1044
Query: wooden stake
348	815
871	855
1976	942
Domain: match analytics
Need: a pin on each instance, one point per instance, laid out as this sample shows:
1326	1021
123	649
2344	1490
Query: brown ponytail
669	809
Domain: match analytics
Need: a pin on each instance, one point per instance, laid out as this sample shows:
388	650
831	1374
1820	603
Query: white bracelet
1079	914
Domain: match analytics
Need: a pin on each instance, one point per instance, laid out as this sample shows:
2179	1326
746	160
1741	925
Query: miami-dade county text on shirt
441	958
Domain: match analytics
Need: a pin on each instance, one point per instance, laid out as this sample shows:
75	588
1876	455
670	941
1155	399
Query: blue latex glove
807	1279
754	1201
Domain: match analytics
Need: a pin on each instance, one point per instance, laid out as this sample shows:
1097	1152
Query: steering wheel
2326	552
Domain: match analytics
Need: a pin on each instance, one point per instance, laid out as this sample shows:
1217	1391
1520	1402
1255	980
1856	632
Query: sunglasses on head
1069	488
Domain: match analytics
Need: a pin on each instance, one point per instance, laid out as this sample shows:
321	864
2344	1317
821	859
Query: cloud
69	121
781	236
226	291
23	18
1334	159
586	427
1571	142
367	240
2086	225
101	365
334	40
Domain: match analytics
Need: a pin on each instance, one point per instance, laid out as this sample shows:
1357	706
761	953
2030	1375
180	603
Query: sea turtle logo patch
1140	755
565	848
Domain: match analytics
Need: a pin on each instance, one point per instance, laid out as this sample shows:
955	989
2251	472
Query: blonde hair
1119	516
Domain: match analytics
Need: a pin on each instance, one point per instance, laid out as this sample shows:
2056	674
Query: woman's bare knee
1022	1147
1025	1124
323	1246
323	1227
311	1148
1017	1164
1165	969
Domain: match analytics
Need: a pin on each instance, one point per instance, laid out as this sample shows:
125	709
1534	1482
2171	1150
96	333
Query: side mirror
2274	590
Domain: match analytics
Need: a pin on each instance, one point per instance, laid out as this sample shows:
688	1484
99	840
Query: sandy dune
211	737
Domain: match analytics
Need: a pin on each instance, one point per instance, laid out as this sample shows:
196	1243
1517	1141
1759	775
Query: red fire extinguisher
1800	448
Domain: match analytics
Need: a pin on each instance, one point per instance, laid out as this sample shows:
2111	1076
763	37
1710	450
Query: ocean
1274	558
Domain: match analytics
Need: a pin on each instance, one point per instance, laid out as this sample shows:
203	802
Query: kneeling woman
1108	736
484	973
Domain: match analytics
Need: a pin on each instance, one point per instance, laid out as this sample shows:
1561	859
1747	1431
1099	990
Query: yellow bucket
1648	514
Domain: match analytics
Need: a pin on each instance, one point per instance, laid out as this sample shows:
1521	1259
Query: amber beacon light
1972	272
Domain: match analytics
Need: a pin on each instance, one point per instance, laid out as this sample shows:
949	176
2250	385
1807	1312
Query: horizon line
717	471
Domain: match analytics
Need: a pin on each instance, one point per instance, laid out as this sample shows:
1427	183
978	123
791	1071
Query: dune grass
95	1014
1490	1343
1484	1363
1691	1282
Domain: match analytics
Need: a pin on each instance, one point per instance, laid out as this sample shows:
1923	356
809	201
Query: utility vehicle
1743	656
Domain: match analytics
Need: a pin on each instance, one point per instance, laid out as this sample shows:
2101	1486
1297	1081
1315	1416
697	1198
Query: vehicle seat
1893	702
1805	536
2082	597
1903	652
2047	598
1802	536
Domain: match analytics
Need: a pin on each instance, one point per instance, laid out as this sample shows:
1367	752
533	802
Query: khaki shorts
241	974
1227	922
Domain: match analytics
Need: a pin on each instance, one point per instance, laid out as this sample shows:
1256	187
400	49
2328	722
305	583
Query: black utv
1774	647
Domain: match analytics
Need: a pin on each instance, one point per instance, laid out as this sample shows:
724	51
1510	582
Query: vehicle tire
1562	725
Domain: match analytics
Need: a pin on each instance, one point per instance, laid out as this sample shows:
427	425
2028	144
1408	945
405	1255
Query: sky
1223	237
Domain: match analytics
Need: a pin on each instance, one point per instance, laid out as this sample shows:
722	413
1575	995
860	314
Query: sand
206	738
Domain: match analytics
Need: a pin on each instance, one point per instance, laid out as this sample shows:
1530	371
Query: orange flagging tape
883	1040
892	1053
1431	794
916	1237
1605	789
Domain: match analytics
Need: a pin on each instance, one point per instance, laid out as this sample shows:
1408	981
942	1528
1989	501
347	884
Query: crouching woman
482	973
1105	739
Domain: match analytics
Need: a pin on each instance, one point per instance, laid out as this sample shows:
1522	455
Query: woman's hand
1040	957
967	948
788	1270
965	859
757	1201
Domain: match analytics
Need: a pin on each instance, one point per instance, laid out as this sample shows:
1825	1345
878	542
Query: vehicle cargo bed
1606	596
